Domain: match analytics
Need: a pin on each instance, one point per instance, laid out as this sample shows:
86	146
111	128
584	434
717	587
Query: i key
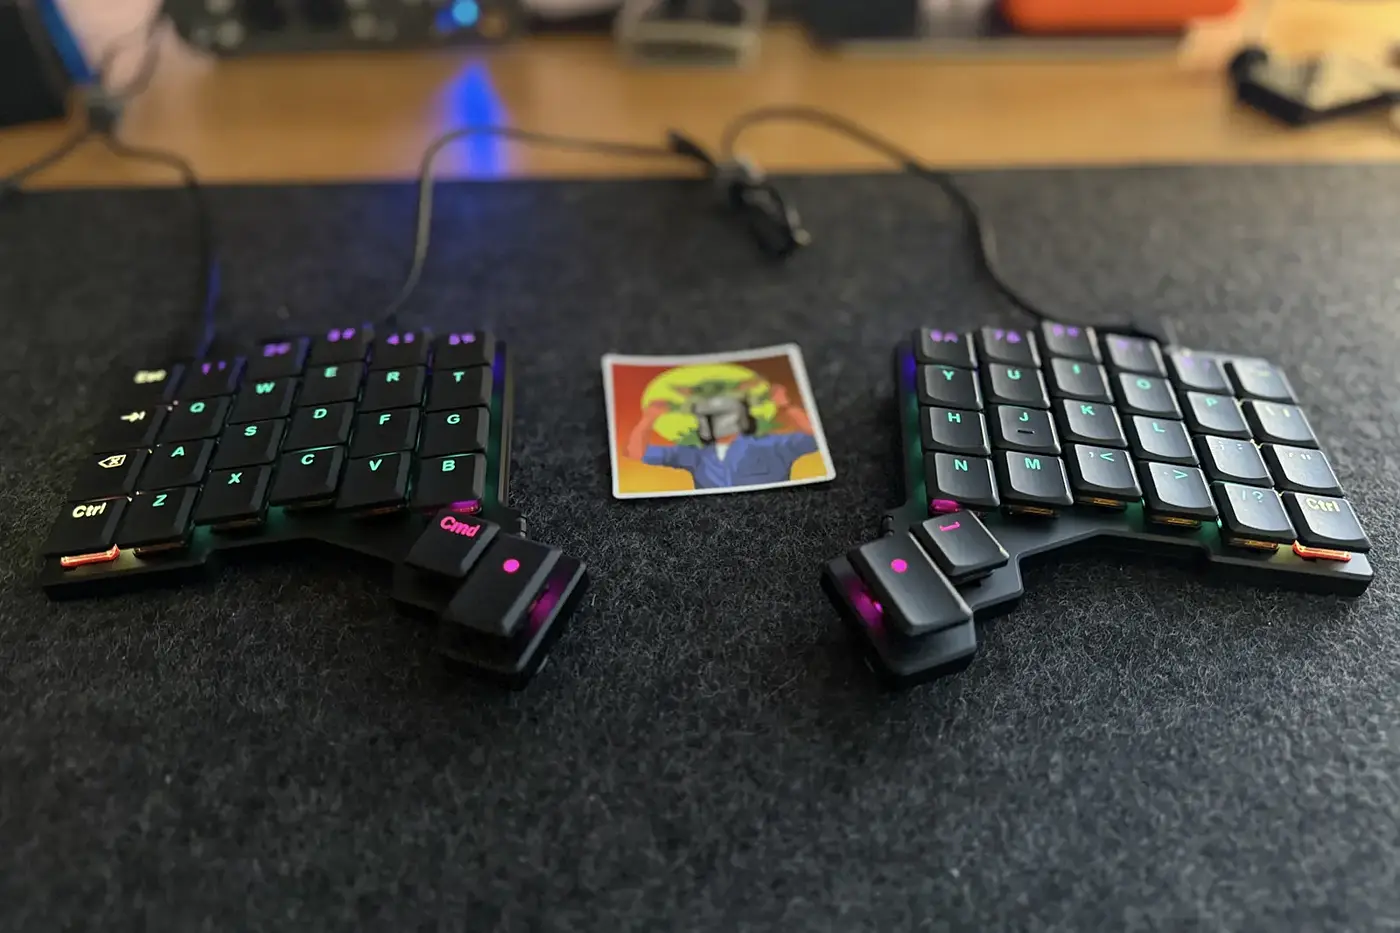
910	590
497	596
1073	379
961	546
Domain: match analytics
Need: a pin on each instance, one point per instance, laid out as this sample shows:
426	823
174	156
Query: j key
382	432
1198	373
1160	439
334	382
1025	429
497	596
968	481
401	350
212	377
234	496
105	475
84	527
1071	340
454	432
1176	494
1233	461
277	358
961	546
1257	379
954	432
1031	481
1146	395
394	388
1251	514
135	428
1214	414
158	517
944	346
1279	424
249	444
1101	476
342	345
460	350
262	399
320	426
465	388
179	463
1134	354
375	483
1074	379
1325	522
1089	423
1300	470
451	545
910	590
191	420
1015	385
306	477
154	385
1008	346
447	480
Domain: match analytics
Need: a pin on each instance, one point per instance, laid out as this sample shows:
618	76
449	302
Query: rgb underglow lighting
511	565
898	565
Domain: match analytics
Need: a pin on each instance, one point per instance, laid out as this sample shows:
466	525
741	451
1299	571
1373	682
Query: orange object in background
1119	16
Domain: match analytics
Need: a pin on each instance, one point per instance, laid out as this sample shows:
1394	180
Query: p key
909	589
961	546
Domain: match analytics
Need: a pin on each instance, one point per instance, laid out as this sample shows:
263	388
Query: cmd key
451	545
910	591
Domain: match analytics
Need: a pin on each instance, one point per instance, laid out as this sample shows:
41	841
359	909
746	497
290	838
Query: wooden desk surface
350	117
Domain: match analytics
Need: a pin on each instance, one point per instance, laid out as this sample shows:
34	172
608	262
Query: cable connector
104	111
776	226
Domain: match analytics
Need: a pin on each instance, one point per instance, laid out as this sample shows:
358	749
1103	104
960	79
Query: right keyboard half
1042	440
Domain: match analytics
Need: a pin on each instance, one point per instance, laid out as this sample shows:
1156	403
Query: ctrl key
85	528
910	591
1326	523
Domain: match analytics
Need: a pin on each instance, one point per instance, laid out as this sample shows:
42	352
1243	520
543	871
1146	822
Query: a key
1032	483
1198	373
135	428
179	463
1089	423
1300	470
1015	347
1134	354
307	477
910	591
342	345
1076	379
320	426
84	527
103	476
153	385
463	388
160	517
263	399
1025	429
249	444
451	545
454	432
954	432
1251	516
1275	423
401	349
1176	495
375	483
1214	414
331	382
448	480
394	388
192	420
1257	379
1326	522
462	349
274	359
382	432
961	546
1233	461
1015	385
208	378
944	346
1102	476
234	497
1069	340
1160	439
499	593
966	481
1146	395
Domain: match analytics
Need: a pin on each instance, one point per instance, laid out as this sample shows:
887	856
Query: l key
911	591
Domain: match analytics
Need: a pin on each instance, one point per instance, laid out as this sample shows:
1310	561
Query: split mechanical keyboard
1018	444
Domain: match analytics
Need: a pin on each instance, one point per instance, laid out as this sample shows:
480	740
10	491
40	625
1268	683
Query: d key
912	593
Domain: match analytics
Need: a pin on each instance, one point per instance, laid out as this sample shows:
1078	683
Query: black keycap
1089	423
234	496
1015	385
954	432
1102	476
461	349
1016	347
1134	354
320	426
966	481
152	385
401	349
448	480
1025	429
274	359
946	386
467	388
454	432
105	475
497	596
308	476
333	382
1160	439
342	345
137	427
1214	414
208	378
84	527
1274	423
375	483
1251	514
1301	470
1198	373
158	517
394	388
1232	461
192	420
1176	492
1070	340
1146	395
944	346
249	444
1031	480
911	591
961	546
1257	379
179	463
451	545
1325	522
383	432
263	399
1074	379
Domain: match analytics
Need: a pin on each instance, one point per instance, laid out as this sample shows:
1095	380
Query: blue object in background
64	42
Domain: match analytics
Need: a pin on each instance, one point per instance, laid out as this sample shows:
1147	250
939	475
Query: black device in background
35	74
1300	93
